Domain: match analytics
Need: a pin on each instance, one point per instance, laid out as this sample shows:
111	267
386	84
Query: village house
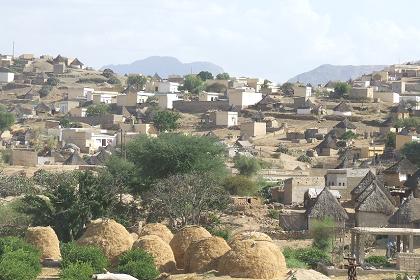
398	87
208	96
98	97
74	159
308	108
243	97
361	93
328	146
390	97
342	109
59	68
78	112
387	126
101	157
226	118
6	76
369	151
405	136
166	100
42	109
75	63
344	180
87	139
168	87
412	185
267	103
397	174
302	91
253	129
407	215
67	105
399	112
343	127
296	187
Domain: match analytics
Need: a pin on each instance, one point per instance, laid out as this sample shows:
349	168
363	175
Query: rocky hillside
164	66
324	73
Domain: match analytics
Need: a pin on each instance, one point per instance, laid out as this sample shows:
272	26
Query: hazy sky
264	38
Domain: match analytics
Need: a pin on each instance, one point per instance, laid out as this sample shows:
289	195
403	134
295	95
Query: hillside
164	66
326	72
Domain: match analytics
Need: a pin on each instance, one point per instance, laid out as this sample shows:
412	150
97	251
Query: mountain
164	66
327	72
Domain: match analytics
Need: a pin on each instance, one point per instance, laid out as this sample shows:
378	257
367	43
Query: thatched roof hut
74	159
408	215
403	166
327	206
343	107
376	200
363	184
345	124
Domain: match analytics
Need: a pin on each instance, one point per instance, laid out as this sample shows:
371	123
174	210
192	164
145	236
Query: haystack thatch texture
111	237
45	239
183	238
159	249
327	206
252	235
157	229
408	213
375	200
134	235
363	184
253	259
403	166
203	255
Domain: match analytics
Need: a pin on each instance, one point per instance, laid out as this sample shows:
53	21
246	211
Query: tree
341	89
108	73
185	198
205	75
390	140
246	165
193	84
223	76
171	153
7	119
240	185
113	80
287	89
413	122
166	120
348	135
411	151
97	110
216	87
265	84
136	81
53	81
45	90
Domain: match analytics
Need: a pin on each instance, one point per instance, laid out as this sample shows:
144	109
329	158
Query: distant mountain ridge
327	72
164	66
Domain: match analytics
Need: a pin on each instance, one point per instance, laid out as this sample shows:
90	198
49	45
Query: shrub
222	232
273	214
139	264
240	185
91	255
247	165
77	271
11	269
53	81
304	158
11	244
308	256
113	80
45	90
281	148
322	232
378	261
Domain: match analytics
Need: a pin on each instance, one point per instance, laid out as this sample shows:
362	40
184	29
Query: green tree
266	84
240	185
341	89
216	87
413	122
193	84
287	89
322	233
348	135
136	81
205	75
166	120
139	264
45	90
6	119
223	76
246	165
53	81
108	73
97	110
170	154
411	151
390	140
113	80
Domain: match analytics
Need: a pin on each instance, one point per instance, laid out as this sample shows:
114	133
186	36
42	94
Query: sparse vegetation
73	254
166	120
246	165
97	110
240	185
138	264
45	91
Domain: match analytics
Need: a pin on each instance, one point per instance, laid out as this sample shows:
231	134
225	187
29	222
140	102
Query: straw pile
159	249
45	239
203	255
183	239
108	235
157	229
134	235
253	259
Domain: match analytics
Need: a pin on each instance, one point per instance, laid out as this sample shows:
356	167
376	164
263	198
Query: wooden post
411	243
398	243
357	251
404	239
362	249
352	244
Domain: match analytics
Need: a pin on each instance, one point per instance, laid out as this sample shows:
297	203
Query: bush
222	232
76	254
378	261
322	234
45	90
138	264
304	158
11	244
53	81
247	165
281	148
77	271
308	256
240	185
273	214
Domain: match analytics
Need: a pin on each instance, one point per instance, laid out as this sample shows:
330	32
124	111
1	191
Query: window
339	184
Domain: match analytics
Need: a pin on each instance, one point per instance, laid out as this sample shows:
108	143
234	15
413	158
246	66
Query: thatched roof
376	200
42	107
409	212
327	206
76	62
266	100
343	107
345	124
413	181
59	59
329	142
364	183
74	159
403	166
100	157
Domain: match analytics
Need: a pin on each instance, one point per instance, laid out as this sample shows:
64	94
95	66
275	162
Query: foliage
240	185
53	81
390	140
378	261
15	185
73	253
12	222
281	148
411	151
247	166
413	122
166	120
108	73
305	257
138	264
97	110
216	87
287	89
348	135
11	244
193	84
123	174
322	234
223	76
113	80
170	154
341	89
265	84
77	271
273	214
205	75
7	119
223	232
66	123
136	81
304	158
186	198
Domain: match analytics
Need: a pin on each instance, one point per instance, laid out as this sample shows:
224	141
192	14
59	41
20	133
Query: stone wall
293	221
195	107
24	157
408	262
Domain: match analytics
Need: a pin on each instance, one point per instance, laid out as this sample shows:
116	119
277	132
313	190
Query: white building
6	76
243	97
106	97
166	100
208	96
224	118
302	91
166	86
87	139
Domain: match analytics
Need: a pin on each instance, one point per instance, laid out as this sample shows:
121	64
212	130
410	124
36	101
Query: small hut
398	173
344	126
328	146
407	215
326	206
364	183
74	159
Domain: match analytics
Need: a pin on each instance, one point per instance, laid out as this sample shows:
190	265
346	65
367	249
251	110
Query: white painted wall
6	77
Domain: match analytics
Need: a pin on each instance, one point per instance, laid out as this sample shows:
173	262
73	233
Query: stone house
399	112
74	159
302	91
42	109
208	96
166	100
397	174
405	136
361	93
253	129
328	146
226	118
342	109
267	103
243	97
66	105
295	188
398	86
87	139
344	126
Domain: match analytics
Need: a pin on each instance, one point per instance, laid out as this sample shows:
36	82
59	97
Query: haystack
134	235
110	236
157	229
250	235
203	255
183	239
45	239
253	259
159	249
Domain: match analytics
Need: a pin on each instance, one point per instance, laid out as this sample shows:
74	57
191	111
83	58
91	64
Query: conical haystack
134	235
253	259
183	239
250	235
110	236
203	255
45	239
159	249
157	229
